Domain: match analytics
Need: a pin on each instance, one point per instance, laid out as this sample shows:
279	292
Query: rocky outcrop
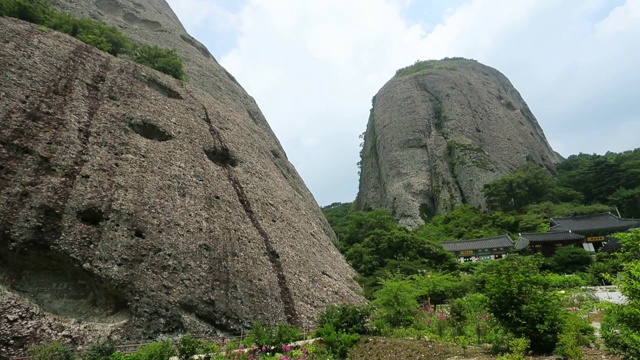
438	131
133	205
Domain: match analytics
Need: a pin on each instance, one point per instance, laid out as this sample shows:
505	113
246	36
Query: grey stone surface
436	136
138	205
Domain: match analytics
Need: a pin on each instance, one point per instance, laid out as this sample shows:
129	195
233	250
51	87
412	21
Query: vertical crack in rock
285	292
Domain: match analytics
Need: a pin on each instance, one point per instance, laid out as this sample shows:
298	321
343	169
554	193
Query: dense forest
522	201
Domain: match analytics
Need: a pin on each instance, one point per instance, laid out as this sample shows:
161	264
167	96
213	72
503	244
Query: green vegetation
421	67
104	37
517	305
53	351
527	185
621	325
611	179
569	259
519	298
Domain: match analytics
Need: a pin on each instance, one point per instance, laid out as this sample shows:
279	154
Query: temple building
489	248
589	231
547	242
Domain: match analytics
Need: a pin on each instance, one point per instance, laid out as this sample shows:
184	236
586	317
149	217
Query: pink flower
264	348
286	347
428	320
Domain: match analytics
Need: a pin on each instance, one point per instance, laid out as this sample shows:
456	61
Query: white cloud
314	65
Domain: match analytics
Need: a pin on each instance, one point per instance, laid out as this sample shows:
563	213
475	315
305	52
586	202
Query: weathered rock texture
440	130
133	205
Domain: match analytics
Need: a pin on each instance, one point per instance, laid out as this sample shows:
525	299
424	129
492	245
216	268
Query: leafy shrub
102	36
156	351
100	350
53	351
396	302
347	318
519	299
338	343
576	332
517	349
557	281
621	325
188	346
569	259
282	334
163	60
286	334
208	348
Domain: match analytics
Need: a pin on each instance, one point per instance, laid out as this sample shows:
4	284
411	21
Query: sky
314	65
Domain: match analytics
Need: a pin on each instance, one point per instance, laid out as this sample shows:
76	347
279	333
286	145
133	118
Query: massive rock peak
438	131
132	204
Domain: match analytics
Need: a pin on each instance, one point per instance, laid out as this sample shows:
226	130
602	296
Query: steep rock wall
438	131
133	205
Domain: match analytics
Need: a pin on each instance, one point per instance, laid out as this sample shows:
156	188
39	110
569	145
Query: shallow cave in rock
90	216
59	285
163	89
221	157
149	131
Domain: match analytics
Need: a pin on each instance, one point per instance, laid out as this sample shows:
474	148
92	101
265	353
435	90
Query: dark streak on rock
272	254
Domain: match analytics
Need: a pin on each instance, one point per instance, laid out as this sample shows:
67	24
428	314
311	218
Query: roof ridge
587	216
479	239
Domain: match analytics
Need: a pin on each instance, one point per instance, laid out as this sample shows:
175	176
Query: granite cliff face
440	130
133	205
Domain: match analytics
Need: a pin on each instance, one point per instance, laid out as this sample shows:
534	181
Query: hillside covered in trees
521	202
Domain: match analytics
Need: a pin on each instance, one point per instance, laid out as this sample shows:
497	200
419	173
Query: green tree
569	259
526	185
396	302
627	201
519	299
439	288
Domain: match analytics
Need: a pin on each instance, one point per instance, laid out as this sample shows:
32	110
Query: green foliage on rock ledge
99	35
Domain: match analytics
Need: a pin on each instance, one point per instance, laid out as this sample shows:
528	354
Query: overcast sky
314	65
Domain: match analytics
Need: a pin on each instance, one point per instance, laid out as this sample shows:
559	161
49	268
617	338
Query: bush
347	318
163	60
282	334
396	302
621	325
517	349
338	343
53	351
519	299
156	351
576	332
569	259
188	346
100	350
99	35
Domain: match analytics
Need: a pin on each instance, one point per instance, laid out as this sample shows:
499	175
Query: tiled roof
613	244
526	239
606	221
478	244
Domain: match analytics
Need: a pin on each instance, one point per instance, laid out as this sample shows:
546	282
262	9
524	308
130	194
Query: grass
421	67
